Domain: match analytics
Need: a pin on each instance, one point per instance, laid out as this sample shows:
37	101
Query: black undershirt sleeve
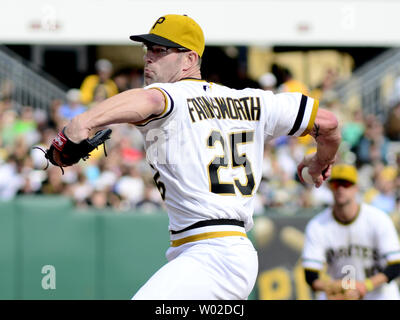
392	271
311	276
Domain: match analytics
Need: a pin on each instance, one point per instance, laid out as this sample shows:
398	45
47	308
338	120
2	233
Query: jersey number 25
238	160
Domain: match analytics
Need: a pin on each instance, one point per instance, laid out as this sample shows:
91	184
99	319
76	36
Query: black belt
212	222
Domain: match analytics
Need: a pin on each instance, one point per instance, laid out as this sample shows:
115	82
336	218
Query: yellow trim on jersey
152	117
313	270
206	235
389	263
312	118
198	80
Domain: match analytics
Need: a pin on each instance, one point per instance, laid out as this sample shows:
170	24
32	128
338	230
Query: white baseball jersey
206	148
361	248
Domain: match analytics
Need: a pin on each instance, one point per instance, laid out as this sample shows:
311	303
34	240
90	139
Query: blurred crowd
370	142
123	180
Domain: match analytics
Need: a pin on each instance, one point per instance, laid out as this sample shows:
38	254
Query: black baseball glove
64	153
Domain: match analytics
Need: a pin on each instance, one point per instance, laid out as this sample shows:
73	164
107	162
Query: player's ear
191	59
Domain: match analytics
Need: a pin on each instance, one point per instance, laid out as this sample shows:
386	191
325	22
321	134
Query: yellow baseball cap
175	31
344	172
388	173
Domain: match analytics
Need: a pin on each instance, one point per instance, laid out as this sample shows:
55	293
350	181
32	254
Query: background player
356	241
205	143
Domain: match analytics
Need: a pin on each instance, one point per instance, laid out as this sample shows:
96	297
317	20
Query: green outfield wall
51	250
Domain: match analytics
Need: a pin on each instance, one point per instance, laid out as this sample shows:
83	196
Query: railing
367	84
24	85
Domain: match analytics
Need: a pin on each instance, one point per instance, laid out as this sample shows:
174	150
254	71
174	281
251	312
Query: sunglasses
335	184
161	51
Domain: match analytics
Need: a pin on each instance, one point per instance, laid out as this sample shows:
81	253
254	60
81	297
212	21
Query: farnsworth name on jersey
246	108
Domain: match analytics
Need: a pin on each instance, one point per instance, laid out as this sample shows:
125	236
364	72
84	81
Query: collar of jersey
348	222
193	79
